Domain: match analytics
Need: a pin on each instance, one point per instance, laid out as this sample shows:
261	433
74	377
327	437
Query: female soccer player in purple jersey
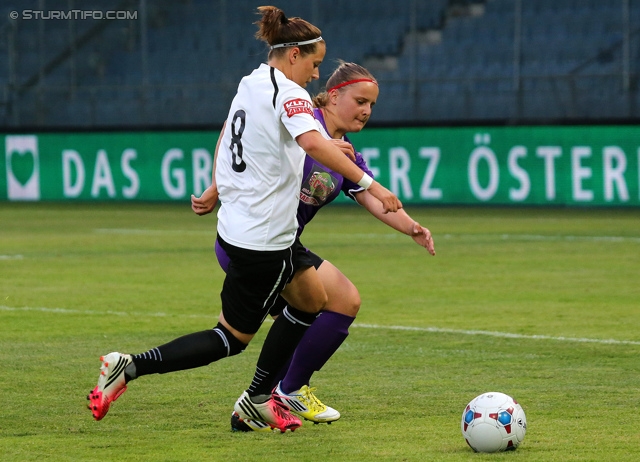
345	107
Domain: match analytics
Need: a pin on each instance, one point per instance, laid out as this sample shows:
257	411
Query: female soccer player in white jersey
258	174
345	107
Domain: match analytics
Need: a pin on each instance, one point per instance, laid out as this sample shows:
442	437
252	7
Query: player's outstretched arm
331	156
400	221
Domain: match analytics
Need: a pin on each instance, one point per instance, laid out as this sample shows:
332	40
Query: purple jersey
320	185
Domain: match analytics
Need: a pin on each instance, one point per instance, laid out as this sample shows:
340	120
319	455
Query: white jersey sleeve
259	166
295	110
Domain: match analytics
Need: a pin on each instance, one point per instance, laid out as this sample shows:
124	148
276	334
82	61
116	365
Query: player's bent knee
347	304
310	299
353	307
352	302
316	305
321	302
234	346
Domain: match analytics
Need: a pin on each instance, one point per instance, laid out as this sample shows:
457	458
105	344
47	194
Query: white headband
296	44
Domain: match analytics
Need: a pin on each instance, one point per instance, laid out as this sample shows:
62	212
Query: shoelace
311	401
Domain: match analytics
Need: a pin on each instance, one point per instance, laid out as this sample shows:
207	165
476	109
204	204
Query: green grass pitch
541	304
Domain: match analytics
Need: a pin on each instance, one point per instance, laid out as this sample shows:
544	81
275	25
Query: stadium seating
436	61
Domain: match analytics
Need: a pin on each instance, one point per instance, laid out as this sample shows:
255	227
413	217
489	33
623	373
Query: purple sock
321	340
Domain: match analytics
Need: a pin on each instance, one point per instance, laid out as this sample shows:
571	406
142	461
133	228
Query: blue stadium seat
196	45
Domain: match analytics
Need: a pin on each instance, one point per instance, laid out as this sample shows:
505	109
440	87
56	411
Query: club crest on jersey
317	187
298	106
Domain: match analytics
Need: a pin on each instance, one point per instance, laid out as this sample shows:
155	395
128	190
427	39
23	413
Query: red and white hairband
349	82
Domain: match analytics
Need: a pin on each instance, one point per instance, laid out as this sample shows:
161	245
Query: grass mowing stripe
534	237
152	232
95	313
484	236
500	334
442	330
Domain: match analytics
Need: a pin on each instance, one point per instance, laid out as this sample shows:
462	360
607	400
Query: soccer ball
493	422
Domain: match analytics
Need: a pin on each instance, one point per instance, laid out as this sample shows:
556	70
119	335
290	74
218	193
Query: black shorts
280	302
254	281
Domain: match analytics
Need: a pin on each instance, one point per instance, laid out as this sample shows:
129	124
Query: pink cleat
270	412
111	383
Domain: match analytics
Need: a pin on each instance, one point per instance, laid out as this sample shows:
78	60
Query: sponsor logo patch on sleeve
298	106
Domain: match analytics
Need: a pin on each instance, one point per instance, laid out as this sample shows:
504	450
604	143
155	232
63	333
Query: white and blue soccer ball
493	422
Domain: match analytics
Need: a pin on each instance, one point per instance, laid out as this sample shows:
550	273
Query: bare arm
400	221
331	156
207	201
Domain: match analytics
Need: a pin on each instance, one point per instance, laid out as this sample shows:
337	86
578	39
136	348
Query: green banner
578	165
145	166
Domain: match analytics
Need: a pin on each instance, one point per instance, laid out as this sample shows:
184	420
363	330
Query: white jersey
259	164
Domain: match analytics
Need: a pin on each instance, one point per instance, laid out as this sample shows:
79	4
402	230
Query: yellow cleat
307	405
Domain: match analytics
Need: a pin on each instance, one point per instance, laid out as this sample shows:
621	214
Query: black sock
187	352
281	341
